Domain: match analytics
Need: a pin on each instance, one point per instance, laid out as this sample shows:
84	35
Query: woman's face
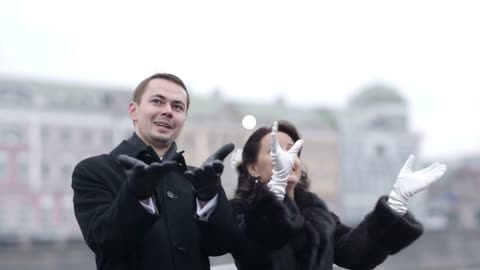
263	167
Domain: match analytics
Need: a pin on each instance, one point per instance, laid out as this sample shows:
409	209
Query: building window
45	172
87	136
107	138
45	209
45	133
67	216
66	135
107	100
477	217
67	210
380	151
2	218
58	99
2	170
45	217
24	217
3	165
11	135
22	165
67	171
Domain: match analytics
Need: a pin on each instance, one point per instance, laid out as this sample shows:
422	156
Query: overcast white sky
311	53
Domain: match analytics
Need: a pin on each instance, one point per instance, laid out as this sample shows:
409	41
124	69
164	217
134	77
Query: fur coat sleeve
265	223
324	240
383	232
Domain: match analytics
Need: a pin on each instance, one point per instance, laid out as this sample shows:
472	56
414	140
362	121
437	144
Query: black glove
206	179
142	178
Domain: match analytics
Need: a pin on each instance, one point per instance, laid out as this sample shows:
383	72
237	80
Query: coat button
171	195
179	247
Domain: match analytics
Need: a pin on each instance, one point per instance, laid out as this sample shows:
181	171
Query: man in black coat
135	205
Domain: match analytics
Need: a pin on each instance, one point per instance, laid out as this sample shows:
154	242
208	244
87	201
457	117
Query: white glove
282	164
410	183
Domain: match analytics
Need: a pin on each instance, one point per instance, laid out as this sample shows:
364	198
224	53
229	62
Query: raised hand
411	182
142	179
282	163
206	180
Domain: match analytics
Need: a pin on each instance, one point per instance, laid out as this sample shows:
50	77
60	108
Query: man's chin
162	141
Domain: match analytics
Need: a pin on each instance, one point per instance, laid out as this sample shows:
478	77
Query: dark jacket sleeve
112	221
219	234
265	224
383	232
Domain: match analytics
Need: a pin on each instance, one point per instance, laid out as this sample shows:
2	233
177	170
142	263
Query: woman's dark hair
246	182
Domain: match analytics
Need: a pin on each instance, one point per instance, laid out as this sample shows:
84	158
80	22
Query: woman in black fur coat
284	226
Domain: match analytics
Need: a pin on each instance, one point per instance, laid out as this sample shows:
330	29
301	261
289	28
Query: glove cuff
277	187
397	202
206	194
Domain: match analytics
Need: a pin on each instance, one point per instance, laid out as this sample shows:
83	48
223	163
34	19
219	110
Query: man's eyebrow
179	102
157	95
176	101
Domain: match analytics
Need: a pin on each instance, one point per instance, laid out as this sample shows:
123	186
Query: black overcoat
123	235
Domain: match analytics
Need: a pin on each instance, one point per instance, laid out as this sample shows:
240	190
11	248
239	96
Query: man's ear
132	111
252	170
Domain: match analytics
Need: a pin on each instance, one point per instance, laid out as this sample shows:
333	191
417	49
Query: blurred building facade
375	142
45	129
454	200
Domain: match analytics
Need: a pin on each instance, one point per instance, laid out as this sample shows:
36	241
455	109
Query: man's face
162	111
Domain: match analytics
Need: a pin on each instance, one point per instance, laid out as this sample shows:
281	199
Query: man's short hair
140	89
